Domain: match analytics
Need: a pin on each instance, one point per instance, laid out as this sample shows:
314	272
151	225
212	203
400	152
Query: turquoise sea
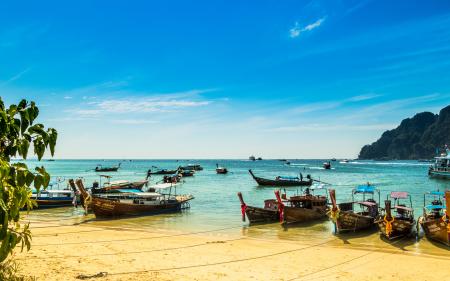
216	208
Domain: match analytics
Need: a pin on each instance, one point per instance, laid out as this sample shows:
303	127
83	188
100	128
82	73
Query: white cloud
68	97
134	121
146	105
297	29
335	127
317	106
15	77
364	97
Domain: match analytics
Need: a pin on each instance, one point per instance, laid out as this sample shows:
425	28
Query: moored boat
435	220
191	167
283	181
402	222
221	170
252	158
134	203
53	198
118	184
269	213
441	166
186	173
100	168
348	218
161	172
302	208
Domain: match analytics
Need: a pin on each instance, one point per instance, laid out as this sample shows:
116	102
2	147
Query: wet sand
63	251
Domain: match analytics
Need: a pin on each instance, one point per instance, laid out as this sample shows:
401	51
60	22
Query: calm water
216	207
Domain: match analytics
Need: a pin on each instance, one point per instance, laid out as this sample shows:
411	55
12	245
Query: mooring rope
224	262
133	252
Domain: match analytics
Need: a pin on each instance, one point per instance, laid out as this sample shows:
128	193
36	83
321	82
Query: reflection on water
216	208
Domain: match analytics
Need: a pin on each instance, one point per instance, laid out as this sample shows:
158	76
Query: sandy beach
97	252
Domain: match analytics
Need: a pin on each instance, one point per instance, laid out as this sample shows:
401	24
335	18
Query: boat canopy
399	194
366	203
119	182
163	185
437	193
123	190
365	189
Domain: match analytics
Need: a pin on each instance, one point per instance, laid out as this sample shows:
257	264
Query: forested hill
415	138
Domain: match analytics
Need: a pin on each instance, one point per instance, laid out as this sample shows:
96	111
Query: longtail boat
260	215
161	172
301	208
347	218
118	184
191	167
221	170
186	173
435	221
100	168
399	224
283	181
53	198
135	203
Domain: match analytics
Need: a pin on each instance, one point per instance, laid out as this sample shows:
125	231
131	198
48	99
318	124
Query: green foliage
17	133
9	271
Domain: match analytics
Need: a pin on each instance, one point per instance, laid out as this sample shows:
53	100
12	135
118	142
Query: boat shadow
316	223
401	242
347	236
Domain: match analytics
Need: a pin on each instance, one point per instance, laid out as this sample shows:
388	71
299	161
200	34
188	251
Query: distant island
415	138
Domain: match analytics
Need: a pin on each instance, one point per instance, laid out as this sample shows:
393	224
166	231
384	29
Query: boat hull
400	228
351	222
261	215
54	202
299	215
436	229
439	174
268	182
111	208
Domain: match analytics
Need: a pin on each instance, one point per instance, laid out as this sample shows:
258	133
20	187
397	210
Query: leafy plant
17	132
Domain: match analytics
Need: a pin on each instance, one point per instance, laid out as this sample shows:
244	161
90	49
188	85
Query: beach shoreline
98	252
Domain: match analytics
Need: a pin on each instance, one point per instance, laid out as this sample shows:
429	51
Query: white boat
53	198
441	166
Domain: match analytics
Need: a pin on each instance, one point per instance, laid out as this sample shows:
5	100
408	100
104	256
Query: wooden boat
134	203
221	170
327	165
283	181
252	158
435	220
162	172
186	173
346	218
260	215
191	167
54	198
441	166
100	168
118	184
400	224
302	208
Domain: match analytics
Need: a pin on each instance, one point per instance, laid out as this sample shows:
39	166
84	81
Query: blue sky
224	79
